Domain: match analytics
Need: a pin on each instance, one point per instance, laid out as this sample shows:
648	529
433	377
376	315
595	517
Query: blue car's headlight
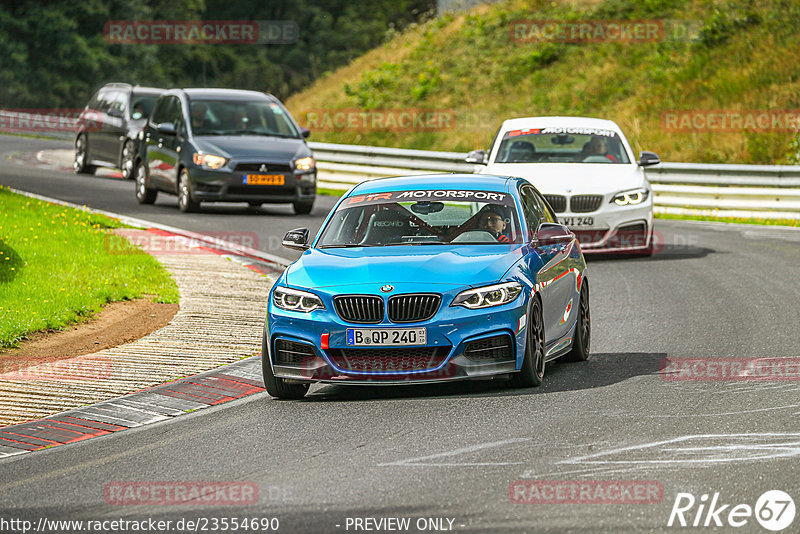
296	300
628	198
488	296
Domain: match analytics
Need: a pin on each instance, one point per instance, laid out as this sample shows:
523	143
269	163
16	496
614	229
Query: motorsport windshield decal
463	195
556	131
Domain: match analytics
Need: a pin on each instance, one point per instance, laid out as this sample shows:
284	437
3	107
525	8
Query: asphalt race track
454	451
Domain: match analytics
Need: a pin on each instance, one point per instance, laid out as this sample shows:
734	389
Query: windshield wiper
347	245
253	132
414	243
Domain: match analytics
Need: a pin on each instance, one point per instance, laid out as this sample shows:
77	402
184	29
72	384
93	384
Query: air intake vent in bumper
292	353
495	348
389	360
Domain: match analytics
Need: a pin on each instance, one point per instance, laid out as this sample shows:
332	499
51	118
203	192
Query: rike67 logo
774	510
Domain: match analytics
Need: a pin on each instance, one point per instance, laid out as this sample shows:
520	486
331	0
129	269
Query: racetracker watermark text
586	492
129	32
392	120
127	241
730	369
602	31
731	120
88	367
48	120
181	493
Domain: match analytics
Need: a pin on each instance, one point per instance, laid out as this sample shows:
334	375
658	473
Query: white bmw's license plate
576	221
368	337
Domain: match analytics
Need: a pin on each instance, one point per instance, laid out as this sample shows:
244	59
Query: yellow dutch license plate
263	179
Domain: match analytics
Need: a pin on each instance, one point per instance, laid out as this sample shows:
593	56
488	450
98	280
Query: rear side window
142	104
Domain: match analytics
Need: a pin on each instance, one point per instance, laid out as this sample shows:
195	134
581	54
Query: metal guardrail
764	191
761	191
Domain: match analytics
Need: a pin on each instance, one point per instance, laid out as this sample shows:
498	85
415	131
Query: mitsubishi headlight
209	160
488	296
296	300
305	164
630	198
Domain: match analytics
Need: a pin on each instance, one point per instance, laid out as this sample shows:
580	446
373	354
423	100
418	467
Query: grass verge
56	267
331	192
735	220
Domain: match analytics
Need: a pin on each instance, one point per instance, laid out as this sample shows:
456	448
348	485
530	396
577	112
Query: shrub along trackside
56	267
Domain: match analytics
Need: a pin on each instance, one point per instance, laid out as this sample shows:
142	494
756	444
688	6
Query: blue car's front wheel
532	372
278	387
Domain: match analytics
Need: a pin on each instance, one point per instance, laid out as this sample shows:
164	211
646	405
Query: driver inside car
492	221
597	147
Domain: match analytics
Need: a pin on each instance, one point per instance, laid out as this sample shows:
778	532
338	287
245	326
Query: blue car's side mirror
552	234
296	239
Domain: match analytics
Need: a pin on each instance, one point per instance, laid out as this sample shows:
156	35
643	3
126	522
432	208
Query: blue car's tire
583	330
532	372
277	387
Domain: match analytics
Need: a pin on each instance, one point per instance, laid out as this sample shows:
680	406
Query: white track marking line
794	450
456	452
726	413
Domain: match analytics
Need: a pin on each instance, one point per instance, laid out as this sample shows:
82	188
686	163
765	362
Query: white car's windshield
561	145
423	218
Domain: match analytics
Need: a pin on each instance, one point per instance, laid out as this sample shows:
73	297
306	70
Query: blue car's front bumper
297	345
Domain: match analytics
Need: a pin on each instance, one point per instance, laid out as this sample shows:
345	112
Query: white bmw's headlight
296	300
629	198
488	296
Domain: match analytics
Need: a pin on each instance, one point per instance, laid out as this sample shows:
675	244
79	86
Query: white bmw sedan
586	170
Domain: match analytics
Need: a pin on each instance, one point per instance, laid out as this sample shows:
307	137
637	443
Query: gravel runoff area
222	310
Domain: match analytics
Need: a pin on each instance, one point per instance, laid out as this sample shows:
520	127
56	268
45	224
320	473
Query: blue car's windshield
423	218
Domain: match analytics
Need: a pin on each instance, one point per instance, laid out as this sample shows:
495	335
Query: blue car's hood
454	266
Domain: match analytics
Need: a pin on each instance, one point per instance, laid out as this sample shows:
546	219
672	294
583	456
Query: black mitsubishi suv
225	145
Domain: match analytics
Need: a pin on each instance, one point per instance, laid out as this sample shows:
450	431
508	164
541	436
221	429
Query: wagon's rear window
423	218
